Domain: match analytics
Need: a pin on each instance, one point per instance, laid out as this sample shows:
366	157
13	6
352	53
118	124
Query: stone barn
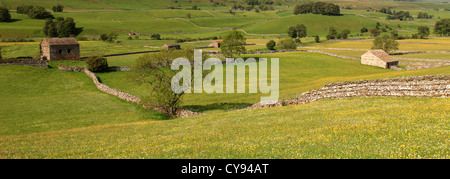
215	44
171	46
378	58
60	49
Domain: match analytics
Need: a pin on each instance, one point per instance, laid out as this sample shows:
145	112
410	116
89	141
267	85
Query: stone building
215	44
60	49
378	58
171	46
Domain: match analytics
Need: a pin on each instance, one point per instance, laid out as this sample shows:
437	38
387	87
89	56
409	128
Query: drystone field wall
26	62
419	86
120	94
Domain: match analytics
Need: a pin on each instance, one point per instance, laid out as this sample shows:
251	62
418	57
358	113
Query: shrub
317	39
287	44
271	45
109	38
38	12
156	37
4	15
423	31
23	9
97	64
58	8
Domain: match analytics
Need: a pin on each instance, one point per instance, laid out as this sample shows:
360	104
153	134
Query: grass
351	22
48	113
35	99
299	72
348	128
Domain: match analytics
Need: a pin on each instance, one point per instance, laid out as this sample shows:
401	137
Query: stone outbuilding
379	58
60	49
215	44
171	46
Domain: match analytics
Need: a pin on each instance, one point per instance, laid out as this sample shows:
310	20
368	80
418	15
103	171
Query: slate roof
61	41
382	55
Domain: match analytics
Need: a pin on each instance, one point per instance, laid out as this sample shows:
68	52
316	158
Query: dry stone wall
26	62
420	86
120	94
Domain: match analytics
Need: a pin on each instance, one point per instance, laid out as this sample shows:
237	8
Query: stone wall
111	91
120	94
419	86
81	69
26	62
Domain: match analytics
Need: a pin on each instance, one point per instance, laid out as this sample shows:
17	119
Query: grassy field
349	128
47	113
37	100
299	72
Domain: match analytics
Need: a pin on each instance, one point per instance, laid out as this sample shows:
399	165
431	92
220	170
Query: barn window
68	51
60	51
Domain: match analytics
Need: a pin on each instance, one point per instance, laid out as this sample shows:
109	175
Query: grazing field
299	72
36	99
47	113
349	128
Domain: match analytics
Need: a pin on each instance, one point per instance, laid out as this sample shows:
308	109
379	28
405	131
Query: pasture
47	113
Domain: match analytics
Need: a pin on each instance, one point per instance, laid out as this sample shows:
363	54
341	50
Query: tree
364	29
394	34
23	9
154	72
317	39
271	45
60	27
344	34
423	31
58	8
386	43
4	15
287	43
442	27
233	44
298	30
374	32
38	12
97	64
332	31
156	37
318	8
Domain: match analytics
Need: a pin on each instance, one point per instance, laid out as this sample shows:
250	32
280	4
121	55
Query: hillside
48	113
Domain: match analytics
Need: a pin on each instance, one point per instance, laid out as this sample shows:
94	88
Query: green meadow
47	113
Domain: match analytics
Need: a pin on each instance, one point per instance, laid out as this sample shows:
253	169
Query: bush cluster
318	8
35	12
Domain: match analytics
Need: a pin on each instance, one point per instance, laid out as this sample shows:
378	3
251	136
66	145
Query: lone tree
4	15
364	29
154	72
386	43
423	31
442	27
233	44
271	45
297	31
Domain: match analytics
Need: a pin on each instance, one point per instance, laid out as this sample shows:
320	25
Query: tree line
318	8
